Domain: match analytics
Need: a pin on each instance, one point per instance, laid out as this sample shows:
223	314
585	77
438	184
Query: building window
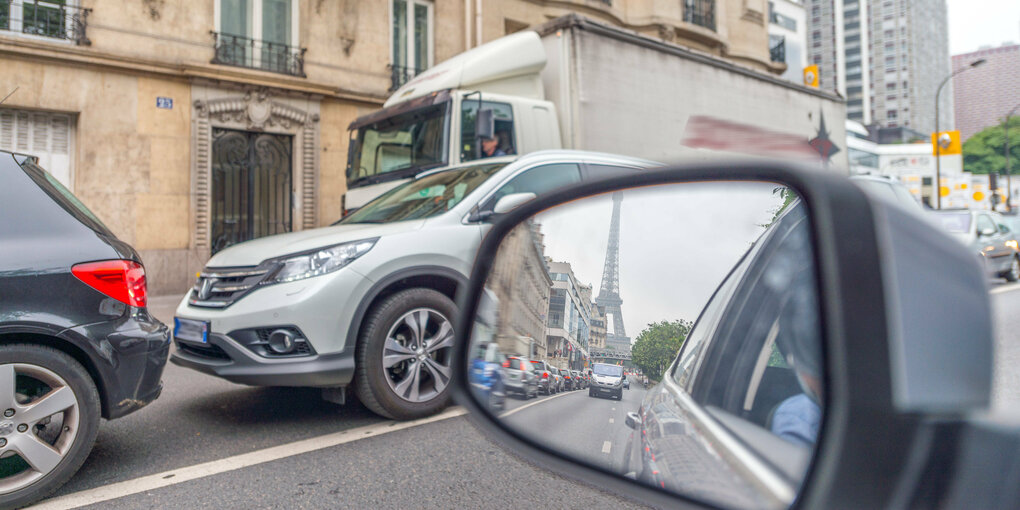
51	19
890	115
412	39
260	34
891	85
700	12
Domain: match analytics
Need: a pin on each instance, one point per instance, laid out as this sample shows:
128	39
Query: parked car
371	297
76	341
626	382
578	380
487	376
986	233
559	379
521	377
546	379
568	380
606	380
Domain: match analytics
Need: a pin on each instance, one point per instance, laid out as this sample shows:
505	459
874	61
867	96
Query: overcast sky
677	243
975	23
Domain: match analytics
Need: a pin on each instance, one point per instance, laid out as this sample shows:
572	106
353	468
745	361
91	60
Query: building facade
568	330
190	126
983	97
520	280
788	37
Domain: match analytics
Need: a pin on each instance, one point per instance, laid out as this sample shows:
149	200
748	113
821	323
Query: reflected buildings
568	329
521	280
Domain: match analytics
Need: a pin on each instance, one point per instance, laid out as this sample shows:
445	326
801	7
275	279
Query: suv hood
251	253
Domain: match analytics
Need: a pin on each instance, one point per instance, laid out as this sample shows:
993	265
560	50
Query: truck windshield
400	146
422	198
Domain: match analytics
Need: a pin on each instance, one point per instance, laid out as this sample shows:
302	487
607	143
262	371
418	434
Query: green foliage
657	346
984	152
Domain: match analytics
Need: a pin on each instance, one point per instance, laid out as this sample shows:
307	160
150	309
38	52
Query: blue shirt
797	420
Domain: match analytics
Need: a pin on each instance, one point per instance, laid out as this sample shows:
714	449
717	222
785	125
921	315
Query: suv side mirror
507	203
986	232
844	323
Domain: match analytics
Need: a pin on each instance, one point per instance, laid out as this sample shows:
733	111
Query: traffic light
993	181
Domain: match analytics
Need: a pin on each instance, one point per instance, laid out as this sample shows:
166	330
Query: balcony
240	51
399	75
777	50
45	19
700	12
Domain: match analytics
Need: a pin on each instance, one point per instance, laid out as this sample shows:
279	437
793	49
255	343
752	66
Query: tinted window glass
503	116
538	180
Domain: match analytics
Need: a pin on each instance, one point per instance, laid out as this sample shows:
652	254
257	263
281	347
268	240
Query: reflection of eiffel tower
609	294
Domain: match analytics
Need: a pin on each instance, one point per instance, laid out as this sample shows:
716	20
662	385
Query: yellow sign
946	143
944	191
811	76
978	196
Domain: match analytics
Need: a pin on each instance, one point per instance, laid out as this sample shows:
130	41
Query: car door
993	245
731	377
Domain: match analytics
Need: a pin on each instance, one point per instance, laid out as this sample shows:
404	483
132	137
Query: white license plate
191	331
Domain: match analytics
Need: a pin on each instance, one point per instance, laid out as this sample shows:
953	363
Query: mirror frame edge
845	241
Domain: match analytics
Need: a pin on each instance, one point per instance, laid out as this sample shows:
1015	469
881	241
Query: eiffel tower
609	294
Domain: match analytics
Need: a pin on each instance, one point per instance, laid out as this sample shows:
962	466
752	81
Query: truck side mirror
485	124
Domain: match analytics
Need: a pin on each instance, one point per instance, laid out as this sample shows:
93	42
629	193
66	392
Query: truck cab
432	121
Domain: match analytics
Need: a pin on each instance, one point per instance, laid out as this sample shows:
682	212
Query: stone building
568	329
520	280
190	126
983	97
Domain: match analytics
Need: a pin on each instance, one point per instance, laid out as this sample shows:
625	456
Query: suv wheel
404	355
1014	270
49	417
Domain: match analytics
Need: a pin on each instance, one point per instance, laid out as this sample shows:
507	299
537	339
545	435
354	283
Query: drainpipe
478	22
467	25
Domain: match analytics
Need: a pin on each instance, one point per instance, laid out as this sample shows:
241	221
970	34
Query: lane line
608	445
184	474
525	406
611	421
1006	288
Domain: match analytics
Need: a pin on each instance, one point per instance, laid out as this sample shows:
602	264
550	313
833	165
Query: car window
985	223
503	116
538	180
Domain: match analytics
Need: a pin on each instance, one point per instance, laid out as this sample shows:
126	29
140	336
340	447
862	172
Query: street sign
811	76
167	103
948	143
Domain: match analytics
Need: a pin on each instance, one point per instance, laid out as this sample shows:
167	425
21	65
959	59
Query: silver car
989	236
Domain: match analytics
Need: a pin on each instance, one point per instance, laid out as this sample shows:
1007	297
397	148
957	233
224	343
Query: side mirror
797	355
986	232
507	203
485	124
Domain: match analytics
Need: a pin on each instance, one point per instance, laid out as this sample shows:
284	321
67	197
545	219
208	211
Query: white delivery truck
577	84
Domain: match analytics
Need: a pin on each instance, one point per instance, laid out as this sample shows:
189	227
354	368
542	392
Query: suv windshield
610	370
405	143
426	197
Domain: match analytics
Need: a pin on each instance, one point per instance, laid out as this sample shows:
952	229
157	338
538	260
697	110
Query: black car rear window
61	195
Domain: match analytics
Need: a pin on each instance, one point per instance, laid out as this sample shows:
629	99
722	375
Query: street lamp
938	147
1009	167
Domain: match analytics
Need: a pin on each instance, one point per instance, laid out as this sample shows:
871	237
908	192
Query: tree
984	152
657	346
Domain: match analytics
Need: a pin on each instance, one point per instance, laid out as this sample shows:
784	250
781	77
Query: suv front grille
205	351
221	287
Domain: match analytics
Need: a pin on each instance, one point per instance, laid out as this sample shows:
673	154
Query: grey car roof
558	154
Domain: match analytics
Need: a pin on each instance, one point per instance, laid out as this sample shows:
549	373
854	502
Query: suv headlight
326	260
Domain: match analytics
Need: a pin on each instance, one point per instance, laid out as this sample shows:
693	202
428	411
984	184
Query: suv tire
1014	270
40	364
421	367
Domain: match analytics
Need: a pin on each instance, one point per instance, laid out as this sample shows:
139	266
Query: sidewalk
163	307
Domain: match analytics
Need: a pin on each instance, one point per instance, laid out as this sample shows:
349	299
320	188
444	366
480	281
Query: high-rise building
887	57
982	97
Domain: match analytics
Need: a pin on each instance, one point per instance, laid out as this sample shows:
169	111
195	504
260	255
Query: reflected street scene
668	334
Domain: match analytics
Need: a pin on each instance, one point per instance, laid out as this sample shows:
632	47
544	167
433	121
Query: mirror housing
485	124
894	382
986	232
507	203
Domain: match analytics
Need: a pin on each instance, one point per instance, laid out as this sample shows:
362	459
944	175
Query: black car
76	341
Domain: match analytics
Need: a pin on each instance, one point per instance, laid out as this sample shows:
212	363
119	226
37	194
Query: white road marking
614	408
611	421
608	445
1006	288
525	406
184	474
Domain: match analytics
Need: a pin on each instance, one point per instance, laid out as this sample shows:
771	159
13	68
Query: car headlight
326	260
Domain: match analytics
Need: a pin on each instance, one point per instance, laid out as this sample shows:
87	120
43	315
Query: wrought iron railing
700	12
52	19
777	51
399	75
240	51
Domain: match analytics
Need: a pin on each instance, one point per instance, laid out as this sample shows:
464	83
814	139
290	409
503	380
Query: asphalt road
442	464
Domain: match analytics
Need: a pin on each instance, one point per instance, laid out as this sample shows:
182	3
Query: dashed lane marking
608	445
1006	288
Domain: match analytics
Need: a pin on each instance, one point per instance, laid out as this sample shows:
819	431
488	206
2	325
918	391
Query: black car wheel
404	354
1014	270
49	417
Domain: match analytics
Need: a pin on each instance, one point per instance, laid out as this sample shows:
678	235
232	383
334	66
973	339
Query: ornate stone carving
256	110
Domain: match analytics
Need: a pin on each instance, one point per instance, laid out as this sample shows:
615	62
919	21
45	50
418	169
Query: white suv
368	301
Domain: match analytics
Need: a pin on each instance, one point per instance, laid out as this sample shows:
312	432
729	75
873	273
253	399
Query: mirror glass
669	334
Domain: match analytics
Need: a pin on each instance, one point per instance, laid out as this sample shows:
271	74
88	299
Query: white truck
577	84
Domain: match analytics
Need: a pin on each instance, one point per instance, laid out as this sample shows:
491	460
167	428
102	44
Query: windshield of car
955	222
425	197
411	141
609	370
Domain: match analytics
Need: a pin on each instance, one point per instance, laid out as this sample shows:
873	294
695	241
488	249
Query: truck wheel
49	417
404	355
